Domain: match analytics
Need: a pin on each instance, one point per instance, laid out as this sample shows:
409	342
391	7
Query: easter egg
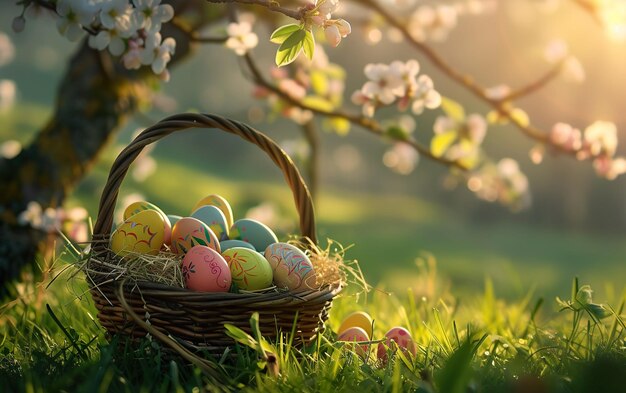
140	206
356	334
141	233
292	268
253	232
248	268
227	244
205	270
358	319
214	218
219	202
402	339
189	232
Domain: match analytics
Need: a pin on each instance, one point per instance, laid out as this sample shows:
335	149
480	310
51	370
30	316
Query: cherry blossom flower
150	14
113	38
385	84
116	14
10	149
156	53
601	138
8	90
401	158
7	50
241	38
566	136
426	95
433	22
73	15
334	29
498	92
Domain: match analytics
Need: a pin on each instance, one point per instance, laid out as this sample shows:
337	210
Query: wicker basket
186	320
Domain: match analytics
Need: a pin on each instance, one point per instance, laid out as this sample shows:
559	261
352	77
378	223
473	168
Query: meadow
478	300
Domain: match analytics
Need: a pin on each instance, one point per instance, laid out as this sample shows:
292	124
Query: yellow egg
141	233
219	202
358	319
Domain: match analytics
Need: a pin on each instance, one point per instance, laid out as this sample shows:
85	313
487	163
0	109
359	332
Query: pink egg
189	232
355	334
402	339
205	270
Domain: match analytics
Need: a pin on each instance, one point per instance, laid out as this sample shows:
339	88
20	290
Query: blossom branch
271	5
534	86
368	124
465	80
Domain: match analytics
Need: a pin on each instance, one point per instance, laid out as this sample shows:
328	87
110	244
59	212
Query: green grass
51	341
484	316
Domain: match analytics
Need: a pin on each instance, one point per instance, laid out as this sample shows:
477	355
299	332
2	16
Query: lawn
478	300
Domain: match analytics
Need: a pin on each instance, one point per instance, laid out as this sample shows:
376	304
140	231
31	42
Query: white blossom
156	53
426	95
7	50
601	138
73	15
10	149
401	158
8	90
150	14
241	38
115	14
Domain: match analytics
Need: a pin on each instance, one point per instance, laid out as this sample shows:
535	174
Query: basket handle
181	122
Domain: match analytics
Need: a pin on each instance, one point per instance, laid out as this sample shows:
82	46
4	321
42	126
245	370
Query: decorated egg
205	270
358	319
402	339
189	232
141	233
253	232
248	268
227	244
214	218
292	268
356	334
140	206
219	202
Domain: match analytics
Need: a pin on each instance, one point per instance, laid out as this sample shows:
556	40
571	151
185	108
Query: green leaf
282	33
319	103
397	133
520	117
240	336
456	374
319	82
290	48
441	142
340	125
309	44
453	109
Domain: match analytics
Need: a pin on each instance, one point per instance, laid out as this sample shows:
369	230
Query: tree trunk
95	99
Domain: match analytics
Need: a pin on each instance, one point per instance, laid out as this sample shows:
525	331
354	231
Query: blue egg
253	232
226	244
214	218
173	219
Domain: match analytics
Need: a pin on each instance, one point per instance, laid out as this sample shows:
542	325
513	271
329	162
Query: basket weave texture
182	318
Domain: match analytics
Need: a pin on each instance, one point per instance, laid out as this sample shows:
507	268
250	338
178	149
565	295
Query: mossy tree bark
95	99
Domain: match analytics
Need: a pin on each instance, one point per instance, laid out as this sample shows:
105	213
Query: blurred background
575	225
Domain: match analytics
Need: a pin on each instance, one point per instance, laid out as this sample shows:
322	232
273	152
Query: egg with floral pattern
249	269
189	232
205	270
291	267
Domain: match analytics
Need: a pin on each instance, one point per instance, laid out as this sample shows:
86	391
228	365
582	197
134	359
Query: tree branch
534	86
467	81
270	5
370	125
